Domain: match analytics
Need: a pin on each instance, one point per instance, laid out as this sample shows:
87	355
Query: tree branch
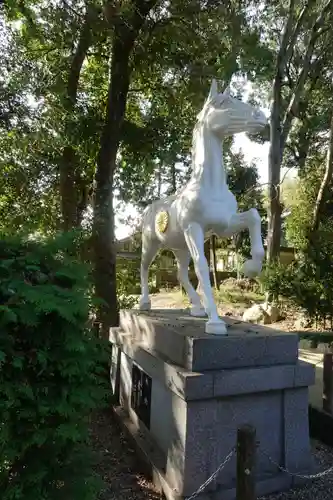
69	175
80	55
294	101
298	27
71	8
281	58
276	146
325	183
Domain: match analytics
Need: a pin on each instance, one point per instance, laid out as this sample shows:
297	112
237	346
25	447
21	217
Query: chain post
246	460
328	382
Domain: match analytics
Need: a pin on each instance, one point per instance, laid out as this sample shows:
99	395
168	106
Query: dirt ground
174	299
118	464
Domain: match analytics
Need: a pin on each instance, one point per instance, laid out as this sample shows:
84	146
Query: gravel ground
119	468
319	489
118	464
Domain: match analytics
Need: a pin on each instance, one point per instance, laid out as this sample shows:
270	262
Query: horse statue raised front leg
205	205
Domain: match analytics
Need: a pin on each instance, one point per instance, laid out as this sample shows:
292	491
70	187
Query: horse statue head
226	115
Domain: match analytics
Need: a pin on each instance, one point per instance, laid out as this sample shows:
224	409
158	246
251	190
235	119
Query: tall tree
126	23
72	193
325	183
300	22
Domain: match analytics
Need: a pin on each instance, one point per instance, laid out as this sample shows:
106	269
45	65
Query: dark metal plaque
141	394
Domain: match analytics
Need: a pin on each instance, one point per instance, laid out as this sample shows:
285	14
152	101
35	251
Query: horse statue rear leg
183	259
149	251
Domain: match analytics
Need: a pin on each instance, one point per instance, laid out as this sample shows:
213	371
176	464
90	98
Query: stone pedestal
183	394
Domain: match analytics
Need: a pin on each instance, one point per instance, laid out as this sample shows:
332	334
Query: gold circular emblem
162	221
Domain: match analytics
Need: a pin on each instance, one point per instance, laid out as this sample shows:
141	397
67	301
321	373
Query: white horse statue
204	206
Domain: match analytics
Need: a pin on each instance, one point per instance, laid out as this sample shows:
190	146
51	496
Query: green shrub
128	282
52	373
306	283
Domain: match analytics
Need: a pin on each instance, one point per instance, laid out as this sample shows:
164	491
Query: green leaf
7	315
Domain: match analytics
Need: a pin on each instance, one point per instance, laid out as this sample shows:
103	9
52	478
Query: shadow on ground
118	464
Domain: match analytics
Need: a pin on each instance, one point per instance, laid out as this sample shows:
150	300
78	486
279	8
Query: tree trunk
321	197
69	168
123	39
213	259
274	173
275	150
304	135
103	223
68	195
280	131
173	178
159	180
303	145
274	209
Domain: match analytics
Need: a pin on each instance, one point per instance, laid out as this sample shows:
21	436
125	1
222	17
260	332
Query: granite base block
181	339
194	415
154	467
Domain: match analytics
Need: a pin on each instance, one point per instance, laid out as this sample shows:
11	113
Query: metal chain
282	469
213	476
294	474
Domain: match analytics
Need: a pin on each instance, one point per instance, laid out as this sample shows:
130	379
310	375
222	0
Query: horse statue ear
213	90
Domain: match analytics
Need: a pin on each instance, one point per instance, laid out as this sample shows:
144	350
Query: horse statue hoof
198	312
144	305
216	327
252	268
